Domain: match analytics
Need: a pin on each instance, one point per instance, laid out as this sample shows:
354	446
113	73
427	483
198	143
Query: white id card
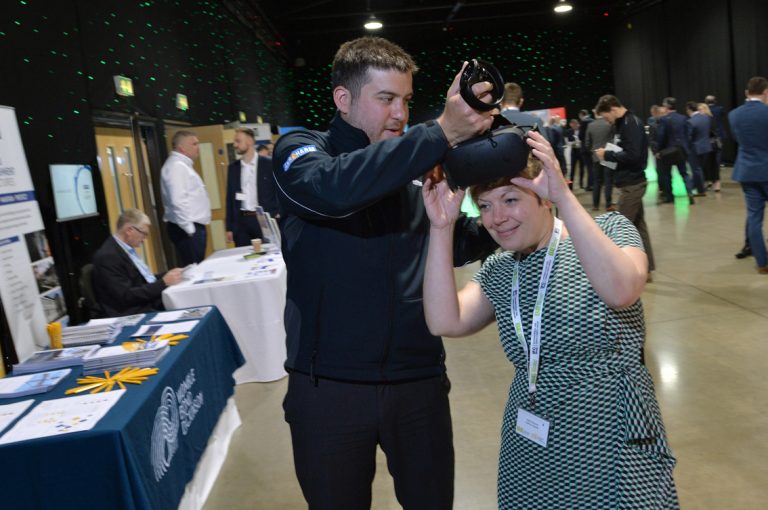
240	196
531	426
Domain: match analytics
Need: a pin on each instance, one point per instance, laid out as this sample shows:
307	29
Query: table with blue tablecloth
143	454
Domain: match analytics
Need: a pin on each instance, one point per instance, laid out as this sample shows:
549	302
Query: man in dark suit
586	155
673	149
699	127
749	125
249	185
512	101
123	284
718	117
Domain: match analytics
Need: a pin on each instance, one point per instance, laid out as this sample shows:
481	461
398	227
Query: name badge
240	196
532	427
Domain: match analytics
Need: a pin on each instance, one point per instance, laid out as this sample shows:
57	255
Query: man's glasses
137	229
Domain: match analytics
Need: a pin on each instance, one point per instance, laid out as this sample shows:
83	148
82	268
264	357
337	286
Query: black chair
88	299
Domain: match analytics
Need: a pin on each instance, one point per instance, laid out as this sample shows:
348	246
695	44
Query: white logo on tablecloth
176	408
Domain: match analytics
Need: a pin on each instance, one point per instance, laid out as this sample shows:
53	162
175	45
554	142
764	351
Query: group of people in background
126	285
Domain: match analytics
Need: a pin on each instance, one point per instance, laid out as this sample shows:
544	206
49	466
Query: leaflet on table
53	359
9	412
23	385
189	271
162	329
62	416
212	279
177	315
127	320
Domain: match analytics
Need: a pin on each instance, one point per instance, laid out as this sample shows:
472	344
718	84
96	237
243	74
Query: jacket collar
345	137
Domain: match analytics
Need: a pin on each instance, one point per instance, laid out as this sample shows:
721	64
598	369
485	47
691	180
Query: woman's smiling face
517	219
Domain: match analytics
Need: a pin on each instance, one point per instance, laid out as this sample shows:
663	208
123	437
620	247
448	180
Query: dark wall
57	67
554	67
688	49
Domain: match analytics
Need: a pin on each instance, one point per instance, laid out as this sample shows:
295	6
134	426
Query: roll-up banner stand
29	288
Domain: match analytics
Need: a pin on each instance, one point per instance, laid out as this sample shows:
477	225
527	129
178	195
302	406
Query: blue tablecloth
144	451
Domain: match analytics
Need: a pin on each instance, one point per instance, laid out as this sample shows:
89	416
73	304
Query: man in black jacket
249	185
123	284
631	160
364	369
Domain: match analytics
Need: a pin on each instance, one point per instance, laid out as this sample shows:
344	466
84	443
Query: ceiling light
373	23
563	6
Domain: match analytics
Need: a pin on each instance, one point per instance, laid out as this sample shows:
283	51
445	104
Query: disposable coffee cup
256	243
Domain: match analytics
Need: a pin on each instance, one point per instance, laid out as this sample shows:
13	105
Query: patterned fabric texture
607	448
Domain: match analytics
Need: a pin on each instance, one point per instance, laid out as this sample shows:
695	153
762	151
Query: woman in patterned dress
581	428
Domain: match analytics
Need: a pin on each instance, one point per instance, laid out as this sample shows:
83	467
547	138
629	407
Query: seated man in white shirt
122	282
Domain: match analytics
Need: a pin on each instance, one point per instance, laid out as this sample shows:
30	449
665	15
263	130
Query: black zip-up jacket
632	160
355	243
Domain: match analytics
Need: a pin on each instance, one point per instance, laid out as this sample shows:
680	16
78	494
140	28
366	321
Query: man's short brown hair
513	94
179	136
606	102
246	131
354	58
757	85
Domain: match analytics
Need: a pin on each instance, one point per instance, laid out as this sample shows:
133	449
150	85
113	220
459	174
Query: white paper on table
10	412
177	315
104	322
63	416
173	328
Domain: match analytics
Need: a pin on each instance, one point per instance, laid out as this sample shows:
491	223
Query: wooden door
118	164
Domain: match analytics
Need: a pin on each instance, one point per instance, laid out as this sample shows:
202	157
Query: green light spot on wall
50	135
76	112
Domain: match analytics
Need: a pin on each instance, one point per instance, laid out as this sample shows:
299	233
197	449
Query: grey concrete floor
707	348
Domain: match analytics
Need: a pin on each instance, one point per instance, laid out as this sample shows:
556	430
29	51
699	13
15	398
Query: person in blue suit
699	127
673	149
249	184
718	119
749	126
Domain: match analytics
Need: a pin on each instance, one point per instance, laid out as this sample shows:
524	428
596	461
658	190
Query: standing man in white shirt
249	184
187	206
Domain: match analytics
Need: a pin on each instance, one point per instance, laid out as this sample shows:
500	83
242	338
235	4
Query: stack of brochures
117	357
91	333
23	385
54	359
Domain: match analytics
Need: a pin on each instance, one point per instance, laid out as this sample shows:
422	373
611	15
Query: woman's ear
343	99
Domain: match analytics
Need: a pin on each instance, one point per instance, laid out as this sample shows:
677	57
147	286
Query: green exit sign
181	102
123	86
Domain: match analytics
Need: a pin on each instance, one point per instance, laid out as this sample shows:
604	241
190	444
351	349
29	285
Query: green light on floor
678	185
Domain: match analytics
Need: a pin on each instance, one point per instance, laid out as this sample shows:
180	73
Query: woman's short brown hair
532	170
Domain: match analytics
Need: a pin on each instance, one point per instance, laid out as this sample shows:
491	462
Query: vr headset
499	152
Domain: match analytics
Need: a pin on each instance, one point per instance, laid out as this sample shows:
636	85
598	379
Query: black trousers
336	427
246	228
189	248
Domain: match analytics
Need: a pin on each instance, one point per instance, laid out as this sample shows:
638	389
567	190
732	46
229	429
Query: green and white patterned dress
607	448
